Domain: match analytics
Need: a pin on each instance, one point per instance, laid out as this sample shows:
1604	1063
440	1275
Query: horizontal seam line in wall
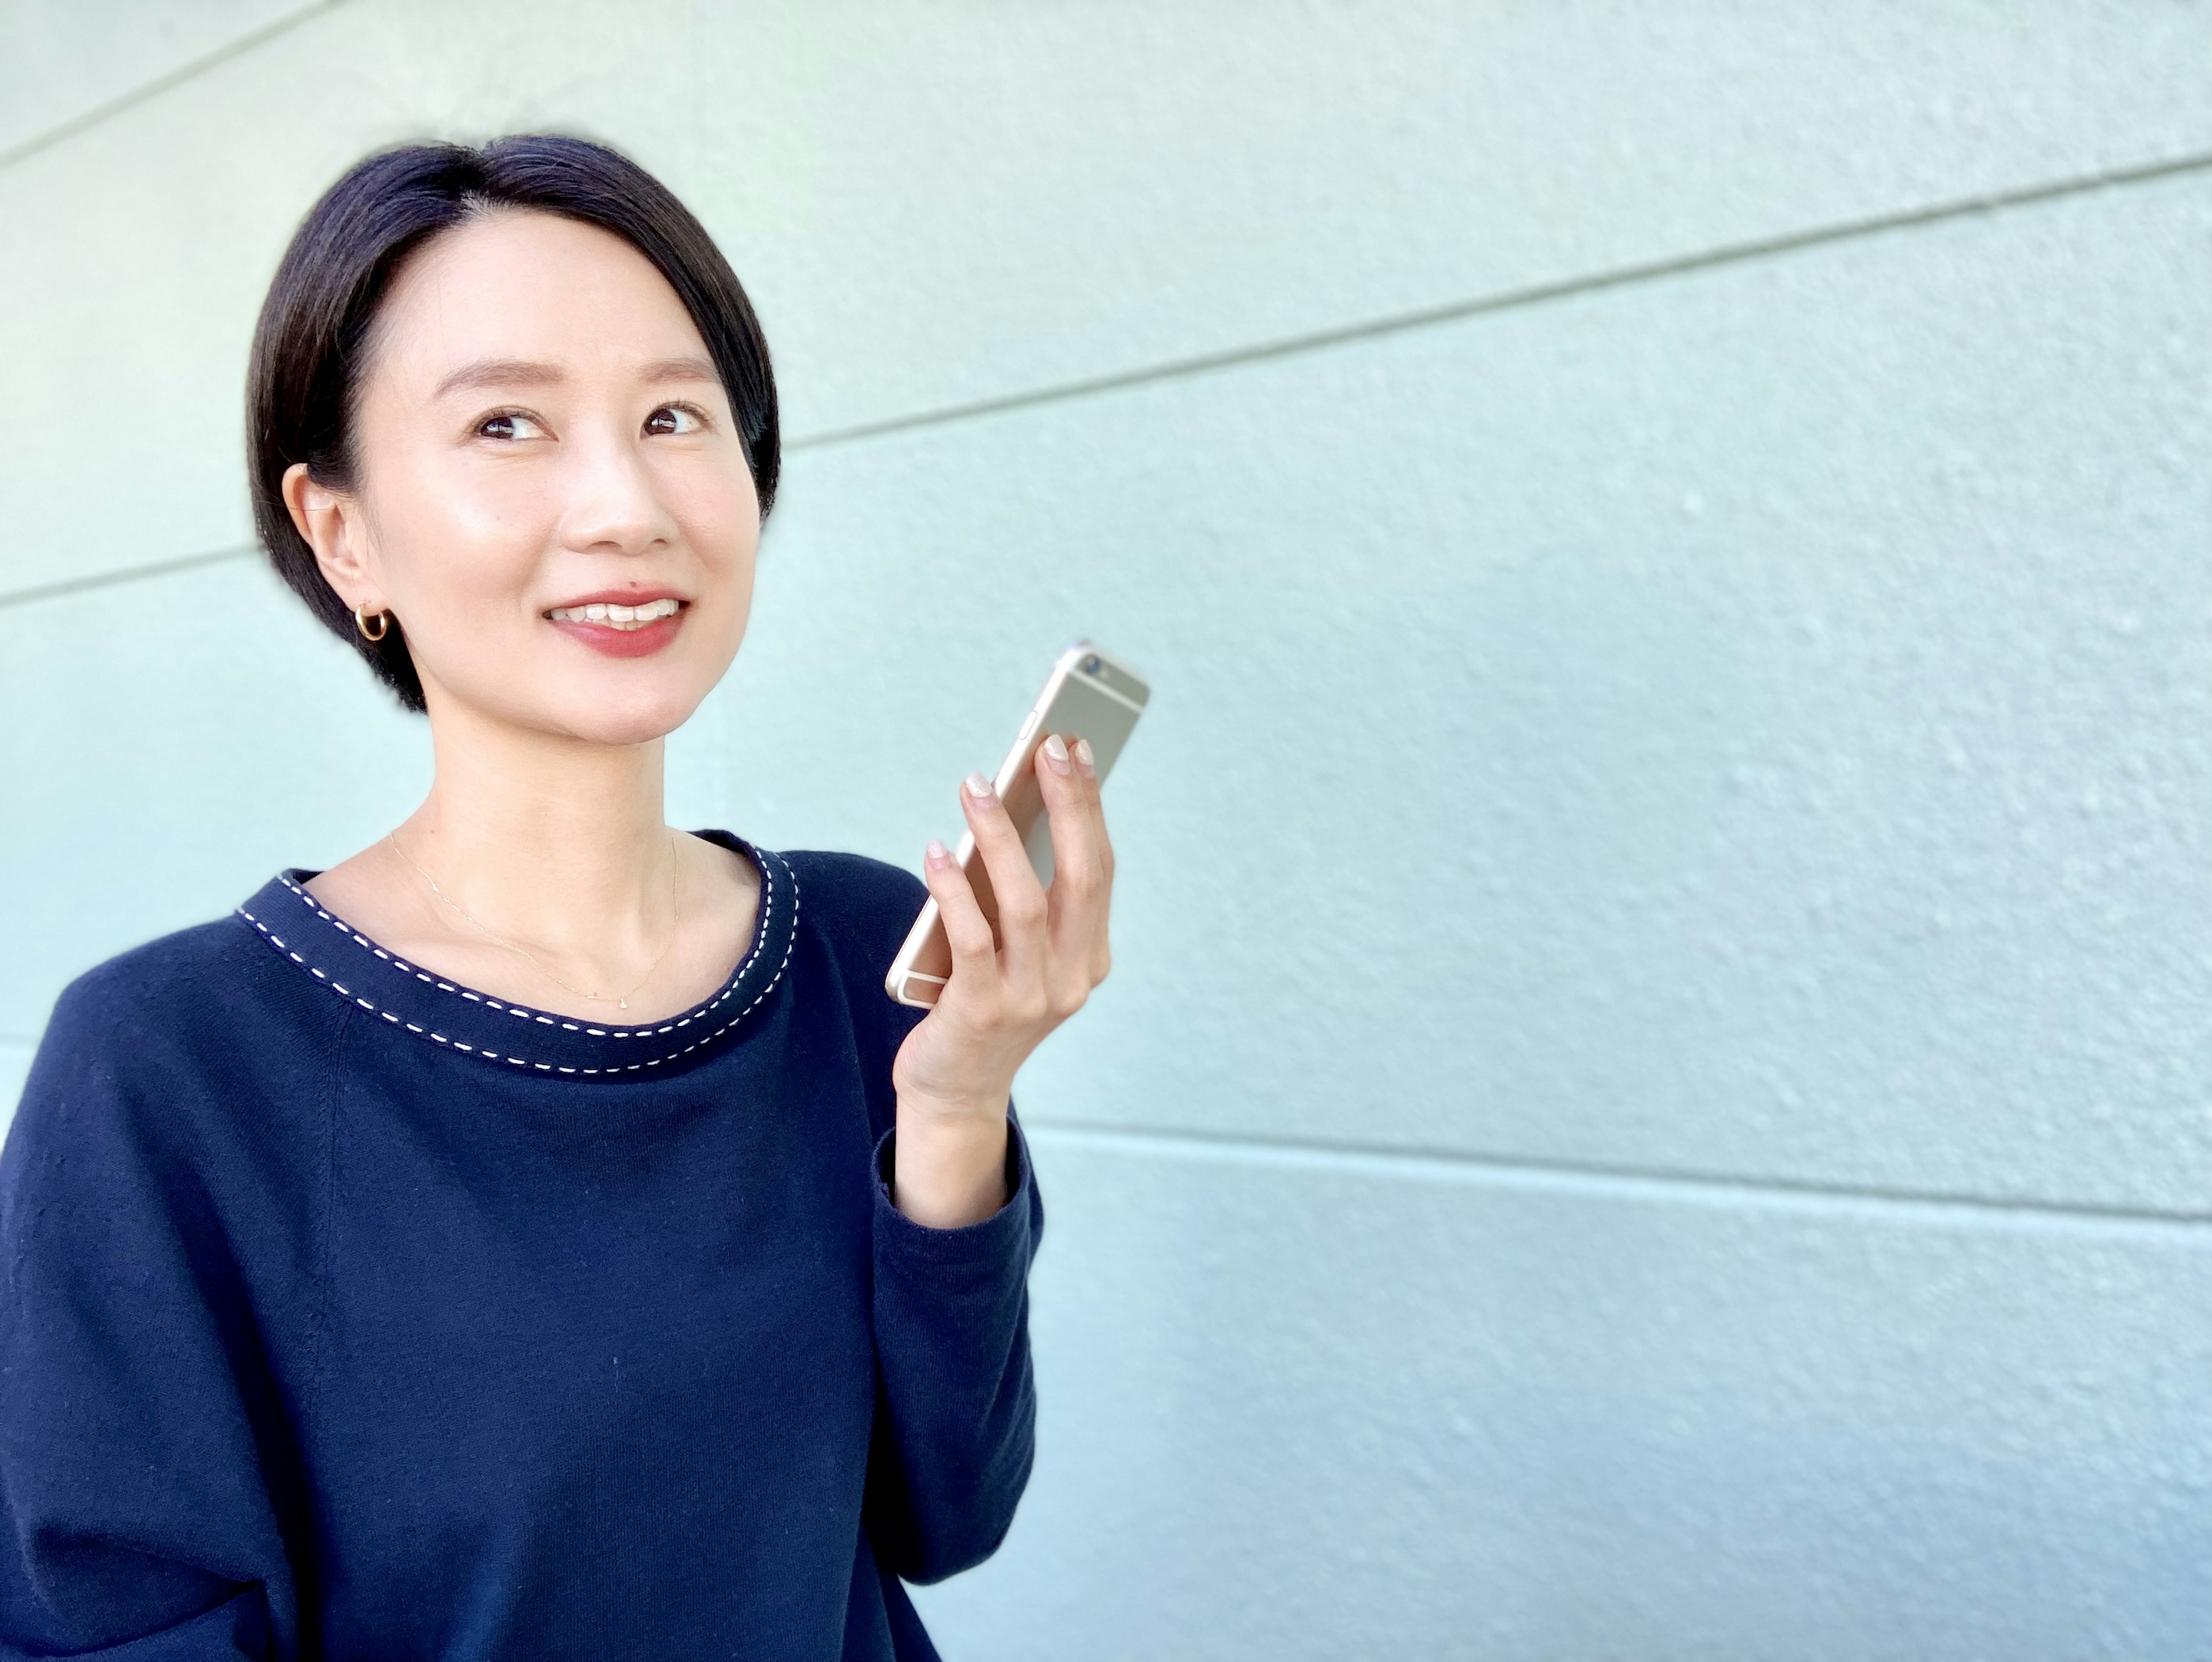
161	83
1406	323
1514	299
127	574
1625	1181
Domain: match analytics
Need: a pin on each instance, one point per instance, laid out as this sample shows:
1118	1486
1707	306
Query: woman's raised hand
955	1072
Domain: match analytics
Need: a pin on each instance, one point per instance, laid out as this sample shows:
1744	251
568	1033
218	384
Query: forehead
529	286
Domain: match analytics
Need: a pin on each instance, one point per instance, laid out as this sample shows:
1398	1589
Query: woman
538	1235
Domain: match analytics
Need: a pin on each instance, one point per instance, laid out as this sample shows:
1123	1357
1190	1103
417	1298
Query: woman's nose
613	503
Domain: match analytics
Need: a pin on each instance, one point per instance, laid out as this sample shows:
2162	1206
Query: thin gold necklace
675	875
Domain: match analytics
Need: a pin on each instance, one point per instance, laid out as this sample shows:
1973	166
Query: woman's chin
628	715
601	709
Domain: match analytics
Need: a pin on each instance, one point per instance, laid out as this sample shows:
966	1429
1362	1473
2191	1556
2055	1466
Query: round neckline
440	1011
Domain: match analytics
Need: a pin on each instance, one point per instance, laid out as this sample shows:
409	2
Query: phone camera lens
1090	664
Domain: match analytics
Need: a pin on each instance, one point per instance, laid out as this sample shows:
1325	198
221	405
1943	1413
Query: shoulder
855	912
871	903
175	983
155	1043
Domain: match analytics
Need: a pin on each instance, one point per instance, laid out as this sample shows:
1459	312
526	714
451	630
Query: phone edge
901	968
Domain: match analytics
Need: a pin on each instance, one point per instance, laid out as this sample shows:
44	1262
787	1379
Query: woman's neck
554	843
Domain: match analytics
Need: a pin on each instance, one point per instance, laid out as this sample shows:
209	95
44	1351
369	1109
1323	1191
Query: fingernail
1055	752
1083	758
979	788
938	854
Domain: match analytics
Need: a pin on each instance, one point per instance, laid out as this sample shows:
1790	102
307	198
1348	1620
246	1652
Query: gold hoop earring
383	625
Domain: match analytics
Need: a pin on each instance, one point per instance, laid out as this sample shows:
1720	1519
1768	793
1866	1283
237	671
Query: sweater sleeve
956	1412
956	1404
133	1414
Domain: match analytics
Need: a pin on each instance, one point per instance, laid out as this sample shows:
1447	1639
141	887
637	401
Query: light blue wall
1652	1100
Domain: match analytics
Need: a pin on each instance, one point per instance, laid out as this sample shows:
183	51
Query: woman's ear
330	522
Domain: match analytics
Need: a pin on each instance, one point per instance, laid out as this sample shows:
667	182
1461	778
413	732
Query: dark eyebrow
500	372
522	372
683	368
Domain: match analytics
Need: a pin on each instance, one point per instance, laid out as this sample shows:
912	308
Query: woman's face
539	430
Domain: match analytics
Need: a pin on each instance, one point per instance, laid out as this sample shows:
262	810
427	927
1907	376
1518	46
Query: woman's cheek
712	497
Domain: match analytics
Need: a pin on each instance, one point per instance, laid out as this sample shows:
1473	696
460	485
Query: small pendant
623	1003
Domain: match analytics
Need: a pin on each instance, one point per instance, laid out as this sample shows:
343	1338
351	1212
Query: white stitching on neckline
768	913
737	976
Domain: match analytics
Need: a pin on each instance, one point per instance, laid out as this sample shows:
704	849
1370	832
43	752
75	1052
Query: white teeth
618	616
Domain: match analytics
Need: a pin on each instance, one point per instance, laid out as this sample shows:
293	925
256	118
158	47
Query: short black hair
302	386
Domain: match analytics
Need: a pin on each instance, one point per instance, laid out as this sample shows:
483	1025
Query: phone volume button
1028	728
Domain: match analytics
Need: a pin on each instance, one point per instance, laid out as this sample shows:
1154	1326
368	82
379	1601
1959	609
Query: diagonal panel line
1508	300
159	84
129	574
1375	329
1655	1181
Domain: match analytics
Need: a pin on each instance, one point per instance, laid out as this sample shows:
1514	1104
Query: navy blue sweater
351	1313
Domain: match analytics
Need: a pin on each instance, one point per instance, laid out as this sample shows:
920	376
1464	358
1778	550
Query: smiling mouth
614	616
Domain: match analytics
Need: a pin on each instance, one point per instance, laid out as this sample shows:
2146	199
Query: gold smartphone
1091	694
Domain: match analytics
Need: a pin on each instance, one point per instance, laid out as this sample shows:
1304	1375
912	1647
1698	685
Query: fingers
1076	903
966	931
1086	770
1051	949
1101	957
1020	896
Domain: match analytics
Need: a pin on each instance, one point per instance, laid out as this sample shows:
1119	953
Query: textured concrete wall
1653	1101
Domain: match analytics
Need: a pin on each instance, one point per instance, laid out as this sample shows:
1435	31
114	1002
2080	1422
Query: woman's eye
509	424
673	418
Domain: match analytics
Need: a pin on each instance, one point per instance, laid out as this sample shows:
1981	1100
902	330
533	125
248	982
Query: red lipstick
616	635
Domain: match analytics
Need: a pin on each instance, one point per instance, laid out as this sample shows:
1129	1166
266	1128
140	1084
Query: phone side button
919	987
